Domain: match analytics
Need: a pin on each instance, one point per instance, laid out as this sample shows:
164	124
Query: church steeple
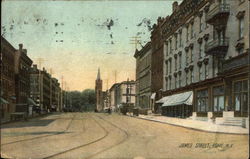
98	92
98	75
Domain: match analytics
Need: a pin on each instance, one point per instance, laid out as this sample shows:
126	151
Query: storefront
177	105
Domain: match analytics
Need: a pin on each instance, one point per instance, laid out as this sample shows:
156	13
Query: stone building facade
7	79
143	77
126	93
206	51
113	91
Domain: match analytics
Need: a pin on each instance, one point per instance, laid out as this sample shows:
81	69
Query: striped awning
178	99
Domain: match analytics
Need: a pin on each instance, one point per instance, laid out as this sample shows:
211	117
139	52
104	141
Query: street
98	135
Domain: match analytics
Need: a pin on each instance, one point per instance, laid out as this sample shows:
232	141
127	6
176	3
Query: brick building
157	60
22	79
8	99
143	77
41	88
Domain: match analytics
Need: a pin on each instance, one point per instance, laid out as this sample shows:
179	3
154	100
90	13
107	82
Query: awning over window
162	100
3	101
153	96
31	102
178	99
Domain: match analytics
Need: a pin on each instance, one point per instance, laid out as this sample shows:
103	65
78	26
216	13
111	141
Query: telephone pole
62	93
51	72
135	40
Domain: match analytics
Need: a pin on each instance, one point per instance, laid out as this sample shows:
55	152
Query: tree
84	100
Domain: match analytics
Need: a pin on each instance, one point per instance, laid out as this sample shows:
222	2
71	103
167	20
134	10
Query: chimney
25	51
20	47
174	6
35	66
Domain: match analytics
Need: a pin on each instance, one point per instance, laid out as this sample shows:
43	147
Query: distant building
98	92
113	91
44	89
7	96
22	79
55	95
126	93
143	77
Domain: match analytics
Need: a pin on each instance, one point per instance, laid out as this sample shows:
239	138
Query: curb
196	129
15	121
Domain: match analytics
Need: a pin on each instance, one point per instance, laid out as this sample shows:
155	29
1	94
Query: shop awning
3	101
178	99
153	96
31	102
162	100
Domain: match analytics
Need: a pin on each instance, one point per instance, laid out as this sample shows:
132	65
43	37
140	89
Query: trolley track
119	143
86	144
97	140
38	137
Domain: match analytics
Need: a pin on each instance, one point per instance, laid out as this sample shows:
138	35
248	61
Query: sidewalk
6	121
195	124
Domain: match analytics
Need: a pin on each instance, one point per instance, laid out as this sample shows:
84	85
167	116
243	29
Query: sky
74	38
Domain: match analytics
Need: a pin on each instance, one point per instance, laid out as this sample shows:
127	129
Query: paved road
96	135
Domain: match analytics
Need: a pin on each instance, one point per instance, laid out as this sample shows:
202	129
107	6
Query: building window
169	83
176	82
187	80
187	58
167	50
241	27
175	63
206	71
191	55
201	24
170	66
192	76
179	80
240	92
192	31
202	100
166	67
179	61
176	41
170	46
166	84
200	72
218	99
180	39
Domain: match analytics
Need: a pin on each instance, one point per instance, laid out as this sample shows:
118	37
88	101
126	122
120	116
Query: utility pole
62	93
135	40
66	94
51	72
